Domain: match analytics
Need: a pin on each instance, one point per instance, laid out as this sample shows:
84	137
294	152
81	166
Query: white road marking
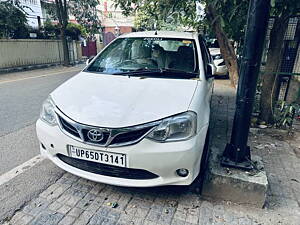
44	75
20	169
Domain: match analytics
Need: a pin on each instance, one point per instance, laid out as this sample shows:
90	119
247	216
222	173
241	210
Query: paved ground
22	95
72	200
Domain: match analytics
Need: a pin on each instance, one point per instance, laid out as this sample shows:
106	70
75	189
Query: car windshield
138	55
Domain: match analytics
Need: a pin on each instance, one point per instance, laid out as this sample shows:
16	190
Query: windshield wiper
171	73
138	71
167	70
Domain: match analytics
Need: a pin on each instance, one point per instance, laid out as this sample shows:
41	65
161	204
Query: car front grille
112	137
69	127
107	170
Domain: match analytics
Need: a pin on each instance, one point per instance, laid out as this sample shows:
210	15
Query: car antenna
155	32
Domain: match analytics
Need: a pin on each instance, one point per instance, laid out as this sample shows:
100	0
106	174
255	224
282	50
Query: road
21	98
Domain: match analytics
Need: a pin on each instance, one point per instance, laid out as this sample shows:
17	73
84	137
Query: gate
90	49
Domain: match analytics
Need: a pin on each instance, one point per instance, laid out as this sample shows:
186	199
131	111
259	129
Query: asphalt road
21	97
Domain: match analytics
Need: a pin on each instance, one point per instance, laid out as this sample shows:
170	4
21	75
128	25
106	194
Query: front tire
204	163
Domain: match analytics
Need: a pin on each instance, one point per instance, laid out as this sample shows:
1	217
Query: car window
173	46
133	54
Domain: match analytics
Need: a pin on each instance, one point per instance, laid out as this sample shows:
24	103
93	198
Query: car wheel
204	163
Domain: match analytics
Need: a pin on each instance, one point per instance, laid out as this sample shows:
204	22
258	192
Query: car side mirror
87	62
210	71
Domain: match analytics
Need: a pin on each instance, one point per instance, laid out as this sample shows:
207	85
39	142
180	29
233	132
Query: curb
34	67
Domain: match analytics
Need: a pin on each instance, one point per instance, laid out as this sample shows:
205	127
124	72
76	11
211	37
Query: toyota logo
95	135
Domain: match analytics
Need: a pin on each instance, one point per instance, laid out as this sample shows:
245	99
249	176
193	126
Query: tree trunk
65	47
226	47
270	78
62	15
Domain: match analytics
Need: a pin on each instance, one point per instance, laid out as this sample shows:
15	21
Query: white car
221	68
137	115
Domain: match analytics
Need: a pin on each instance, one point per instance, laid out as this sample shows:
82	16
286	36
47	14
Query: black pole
237	153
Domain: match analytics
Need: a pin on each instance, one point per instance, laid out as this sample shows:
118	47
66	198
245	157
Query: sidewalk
73	200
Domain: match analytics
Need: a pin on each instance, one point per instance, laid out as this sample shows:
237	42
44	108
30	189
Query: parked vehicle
221	68
137	115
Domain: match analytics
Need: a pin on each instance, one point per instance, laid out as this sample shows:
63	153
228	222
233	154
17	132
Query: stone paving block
178	222
82	187
148	222
96	189
153	216
55	206
47	217
67	220
180	215
50	189
64	209
125	218
36	206
192	219
113	215
86	201
17	216
84	218
141	212
75	212
57	192
76	192
21	219
73	200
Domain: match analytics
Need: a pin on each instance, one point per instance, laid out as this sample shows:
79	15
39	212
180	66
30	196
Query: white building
34	12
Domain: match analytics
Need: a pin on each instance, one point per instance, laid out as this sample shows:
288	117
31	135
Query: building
33	10
112	19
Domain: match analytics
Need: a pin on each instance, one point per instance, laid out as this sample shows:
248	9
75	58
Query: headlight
48	113
177	128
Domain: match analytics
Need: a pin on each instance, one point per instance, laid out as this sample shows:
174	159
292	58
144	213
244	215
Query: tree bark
65	47
226	47
62	15
270	77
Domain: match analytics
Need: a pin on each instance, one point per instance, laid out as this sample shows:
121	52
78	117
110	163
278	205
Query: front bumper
162	159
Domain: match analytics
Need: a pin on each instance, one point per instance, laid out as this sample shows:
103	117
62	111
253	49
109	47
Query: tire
204	162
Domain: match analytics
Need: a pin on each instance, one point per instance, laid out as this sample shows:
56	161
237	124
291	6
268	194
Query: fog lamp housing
182	172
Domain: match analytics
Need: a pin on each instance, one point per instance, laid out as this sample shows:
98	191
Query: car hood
119	101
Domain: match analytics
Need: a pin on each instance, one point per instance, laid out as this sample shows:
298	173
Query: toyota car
136	115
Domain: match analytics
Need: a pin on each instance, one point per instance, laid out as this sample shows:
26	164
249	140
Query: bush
13	22
75	30
50	30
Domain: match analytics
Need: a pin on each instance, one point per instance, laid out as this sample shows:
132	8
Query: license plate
110	158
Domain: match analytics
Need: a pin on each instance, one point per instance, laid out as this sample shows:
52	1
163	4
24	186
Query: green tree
85	13
225	18
13	22
75	30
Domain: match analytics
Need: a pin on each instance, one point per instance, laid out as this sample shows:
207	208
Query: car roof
164	34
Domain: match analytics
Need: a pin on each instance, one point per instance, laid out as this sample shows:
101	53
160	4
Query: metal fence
25	52
289	67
